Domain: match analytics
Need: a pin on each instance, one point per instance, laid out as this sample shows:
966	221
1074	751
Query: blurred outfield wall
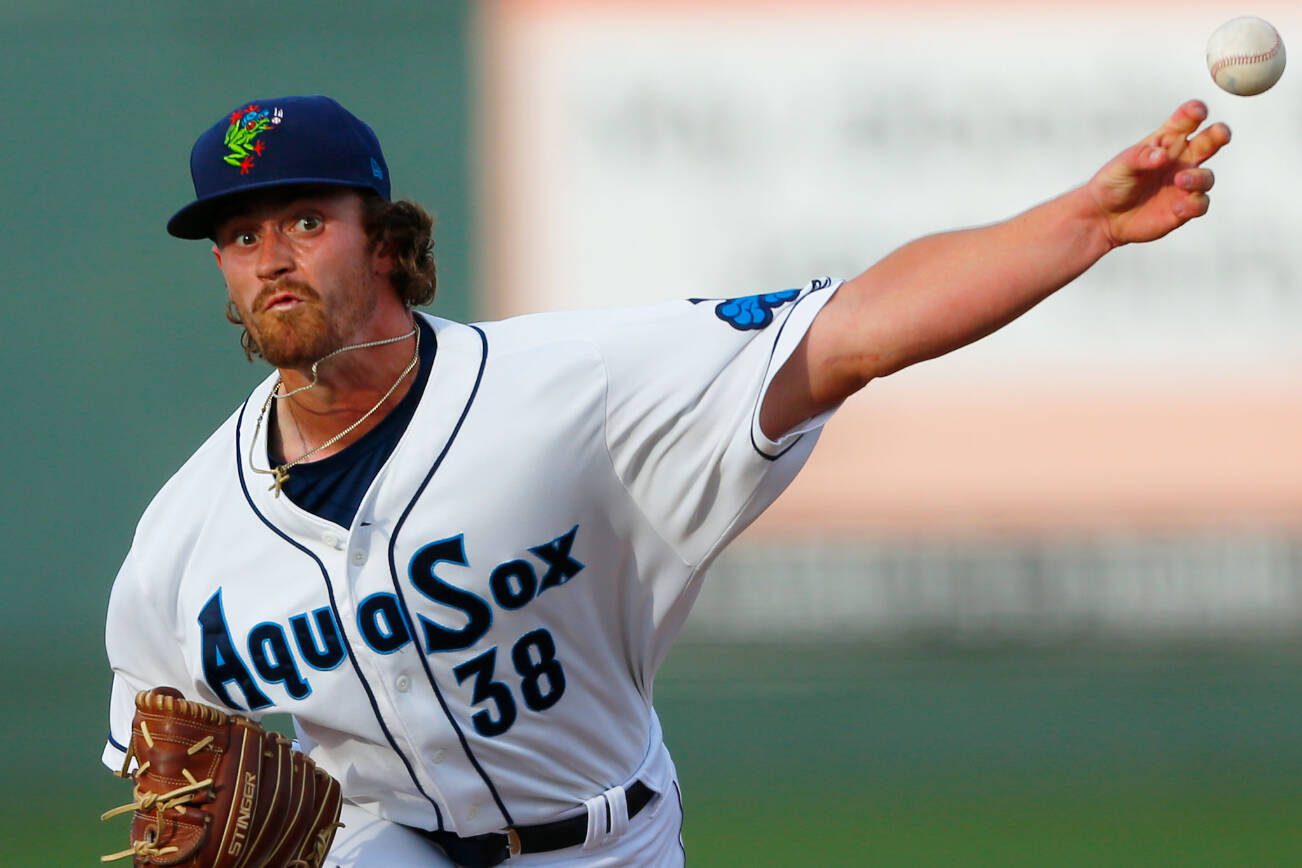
1120	462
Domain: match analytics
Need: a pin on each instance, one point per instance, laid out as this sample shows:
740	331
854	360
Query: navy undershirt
333	487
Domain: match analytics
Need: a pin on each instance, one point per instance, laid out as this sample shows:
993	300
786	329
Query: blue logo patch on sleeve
753	311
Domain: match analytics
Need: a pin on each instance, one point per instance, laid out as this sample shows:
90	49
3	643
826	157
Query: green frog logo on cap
242	142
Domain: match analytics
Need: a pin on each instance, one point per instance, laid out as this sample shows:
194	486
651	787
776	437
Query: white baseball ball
1245	56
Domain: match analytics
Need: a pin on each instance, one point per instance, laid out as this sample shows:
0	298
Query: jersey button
439	756
359	556
330	538
403	683
472	812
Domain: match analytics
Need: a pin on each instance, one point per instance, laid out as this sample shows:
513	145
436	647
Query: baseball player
457	554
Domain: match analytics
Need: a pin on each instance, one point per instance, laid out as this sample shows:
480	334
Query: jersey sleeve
685	381
143	644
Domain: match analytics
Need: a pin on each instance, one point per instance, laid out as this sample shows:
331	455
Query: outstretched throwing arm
944	291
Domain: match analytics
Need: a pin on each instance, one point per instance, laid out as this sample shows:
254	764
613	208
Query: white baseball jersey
477	650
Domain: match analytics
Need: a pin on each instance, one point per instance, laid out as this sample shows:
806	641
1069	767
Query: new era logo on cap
274	143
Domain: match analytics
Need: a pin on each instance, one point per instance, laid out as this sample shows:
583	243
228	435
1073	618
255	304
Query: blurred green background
117	363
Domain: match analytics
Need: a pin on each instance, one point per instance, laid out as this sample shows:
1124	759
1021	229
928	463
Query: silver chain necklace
280	473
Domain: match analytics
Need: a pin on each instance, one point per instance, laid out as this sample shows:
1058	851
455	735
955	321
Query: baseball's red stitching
1243	59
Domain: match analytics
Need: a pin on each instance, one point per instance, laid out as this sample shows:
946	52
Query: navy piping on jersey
402	600
334	607
772	351
681	816
113	741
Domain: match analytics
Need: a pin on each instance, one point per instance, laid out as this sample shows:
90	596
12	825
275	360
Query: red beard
294	337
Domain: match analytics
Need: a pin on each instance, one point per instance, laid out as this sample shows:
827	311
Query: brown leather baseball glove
215	790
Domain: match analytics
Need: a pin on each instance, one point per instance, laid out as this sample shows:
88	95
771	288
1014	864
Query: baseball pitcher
457	553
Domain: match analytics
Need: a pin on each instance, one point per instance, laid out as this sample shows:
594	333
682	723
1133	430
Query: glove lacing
159	802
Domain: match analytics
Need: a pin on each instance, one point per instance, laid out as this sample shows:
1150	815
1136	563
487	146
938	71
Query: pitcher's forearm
942	292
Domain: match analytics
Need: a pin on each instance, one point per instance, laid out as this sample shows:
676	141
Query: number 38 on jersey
285	654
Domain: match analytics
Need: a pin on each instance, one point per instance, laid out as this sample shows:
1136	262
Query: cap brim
194	222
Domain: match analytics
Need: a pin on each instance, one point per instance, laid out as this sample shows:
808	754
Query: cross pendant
282	476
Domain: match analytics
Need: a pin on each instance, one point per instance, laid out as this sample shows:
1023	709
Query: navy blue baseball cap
274	143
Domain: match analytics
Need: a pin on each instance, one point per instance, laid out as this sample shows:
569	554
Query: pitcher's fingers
1195	180
1172	135
1207	143
1191	206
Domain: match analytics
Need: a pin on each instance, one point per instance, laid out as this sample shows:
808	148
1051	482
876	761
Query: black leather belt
484	851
